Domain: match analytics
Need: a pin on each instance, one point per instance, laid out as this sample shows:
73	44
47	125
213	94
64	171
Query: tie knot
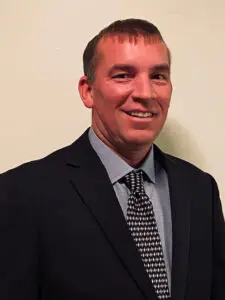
134	181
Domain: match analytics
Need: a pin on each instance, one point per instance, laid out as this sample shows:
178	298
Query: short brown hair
130	27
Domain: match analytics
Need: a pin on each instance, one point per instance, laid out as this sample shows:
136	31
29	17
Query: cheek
118	89
105	103
164	96
165	102
112	95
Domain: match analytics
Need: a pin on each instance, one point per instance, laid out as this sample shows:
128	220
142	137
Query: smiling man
130	92
111	216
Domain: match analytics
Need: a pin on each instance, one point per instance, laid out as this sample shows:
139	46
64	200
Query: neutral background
41	45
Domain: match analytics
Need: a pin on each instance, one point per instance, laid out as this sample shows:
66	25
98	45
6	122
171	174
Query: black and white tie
142	224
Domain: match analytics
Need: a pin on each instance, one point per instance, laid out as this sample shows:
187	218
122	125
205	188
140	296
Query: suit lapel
91	181
180	209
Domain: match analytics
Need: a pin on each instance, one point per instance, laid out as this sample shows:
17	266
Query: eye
159	76
122	76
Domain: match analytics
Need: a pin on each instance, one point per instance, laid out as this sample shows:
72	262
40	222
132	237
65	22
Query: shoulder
56	160
184	170
183	164
48	172
43	164
35	176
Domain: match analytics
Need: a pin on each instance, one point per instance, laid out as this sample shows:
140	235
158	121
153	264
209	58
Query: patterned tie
143	227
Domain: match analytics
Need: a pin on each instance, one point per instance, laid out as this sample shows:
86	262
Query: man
111	216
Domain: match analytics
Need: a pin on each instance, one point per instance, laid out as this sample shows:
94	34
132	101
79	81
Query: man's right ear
85	90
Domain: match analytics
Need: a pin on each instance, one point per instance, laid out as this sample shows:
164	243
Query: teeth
141	114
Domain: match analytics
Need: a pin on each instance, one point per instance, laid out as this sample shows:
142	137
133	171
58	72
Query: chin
143	139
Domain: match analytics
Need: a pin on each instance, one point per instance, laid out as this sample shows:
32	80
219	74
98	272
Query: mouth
140	114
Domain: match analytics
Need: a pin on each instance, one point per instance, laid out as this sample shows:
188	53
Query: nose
143	89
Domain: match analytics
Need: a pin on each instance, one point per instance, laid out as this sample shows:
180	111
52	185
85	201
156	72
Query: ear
85	90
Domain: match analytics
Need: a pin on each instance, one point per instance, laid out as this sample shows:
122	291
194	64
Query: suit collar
90	180
116	167
89	177
180	208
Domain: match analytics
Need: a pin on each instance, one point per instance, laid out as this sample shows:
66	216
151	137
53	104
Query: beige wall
41	44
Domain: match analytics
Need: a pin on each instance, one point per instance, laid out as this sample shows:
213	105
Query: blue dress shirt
156	187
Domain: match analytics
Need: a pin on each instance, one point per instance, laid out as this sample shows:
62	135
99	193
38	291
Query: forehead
132	50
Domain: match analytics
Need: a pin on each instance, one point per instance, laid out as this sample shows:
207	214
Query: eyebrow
161	68
122	67
129	68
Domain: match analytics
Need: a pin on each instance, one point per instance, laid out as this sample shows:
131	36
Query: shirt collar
115	166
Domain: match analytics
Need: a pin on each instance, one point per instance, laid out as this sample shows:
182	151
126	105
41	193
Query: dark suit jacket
63	235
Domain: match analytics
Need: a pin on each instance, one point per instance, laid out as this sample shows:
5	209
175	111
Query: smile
140	114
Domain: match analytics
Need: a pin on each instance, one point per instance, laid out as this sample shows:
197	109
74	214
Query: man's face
131	92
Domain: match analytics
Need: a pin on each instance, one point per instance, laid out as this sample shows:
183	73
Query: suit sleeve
18	243
218	279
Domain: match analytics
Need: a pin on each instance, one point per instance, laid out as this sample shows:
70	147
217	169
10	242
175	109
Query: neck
132	154
134	157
